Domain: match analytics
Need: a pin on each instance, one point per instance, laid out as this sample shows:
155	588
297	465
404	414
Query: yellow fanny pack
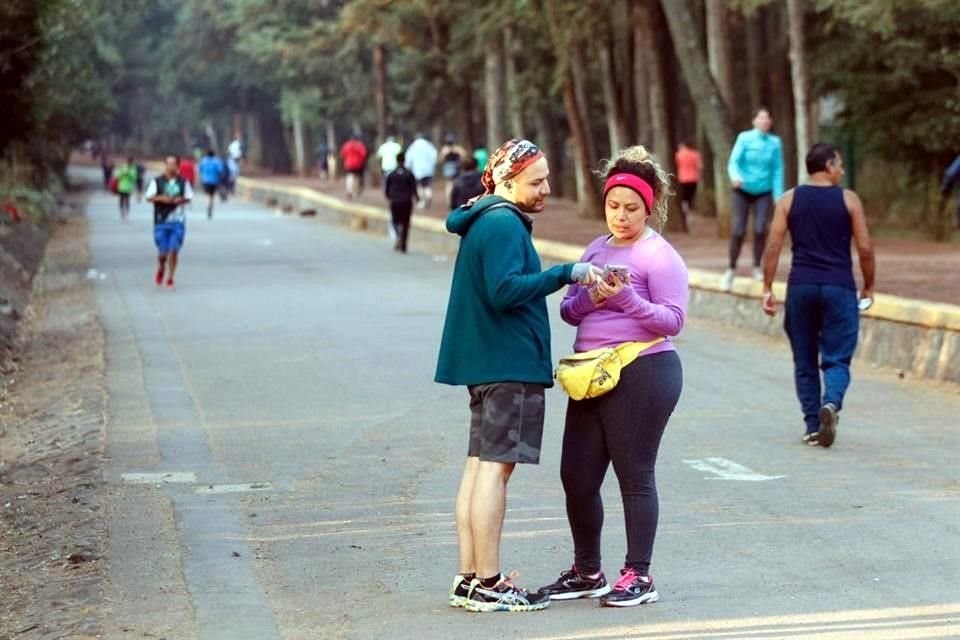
593	373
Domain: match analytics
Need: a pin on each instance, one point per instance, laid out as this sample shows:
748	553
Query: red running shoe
159	277
170	284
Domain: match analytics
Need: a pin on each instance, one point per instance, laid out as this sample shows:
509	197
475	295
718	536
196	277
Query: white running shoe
726	280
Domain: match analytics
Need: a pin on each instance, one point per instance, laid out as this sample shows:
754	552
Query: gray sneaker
459	591
504	596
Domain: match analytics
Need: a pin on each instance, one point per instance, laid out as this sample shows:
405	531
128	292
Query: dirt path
51	448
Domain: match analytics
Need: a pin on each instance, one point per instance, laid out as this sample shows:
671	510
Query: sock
488	583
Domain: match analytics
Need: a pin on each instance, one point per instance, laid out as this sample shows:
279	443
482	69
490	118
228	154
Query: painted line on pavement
173	477
725	469
235	488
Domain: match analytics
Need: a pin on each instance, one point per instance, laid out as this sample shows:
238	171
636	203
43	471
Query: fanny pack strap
630	351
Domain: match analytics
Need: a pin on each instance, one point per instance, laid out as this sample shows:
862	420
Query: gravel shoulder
52	414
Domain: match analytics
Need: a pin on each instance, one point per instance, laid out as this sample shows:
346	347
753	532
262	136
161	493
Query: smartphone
618	271
865	303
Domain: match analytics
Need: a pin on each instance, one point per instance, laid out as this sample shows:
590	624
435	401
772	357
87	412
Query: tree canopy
582	78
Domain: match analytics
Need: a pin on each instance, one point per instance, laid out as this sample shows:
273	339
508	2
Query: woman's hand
595	296
607	289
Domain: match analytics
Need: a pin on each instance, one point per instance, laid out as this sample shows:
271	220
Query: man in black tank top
821	310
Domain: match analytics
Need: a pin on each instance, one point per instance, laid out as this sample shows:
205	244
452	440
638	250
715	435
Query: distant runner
168	193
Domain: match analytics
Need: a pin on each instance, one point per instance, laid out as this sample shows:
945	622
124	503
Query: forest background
583	78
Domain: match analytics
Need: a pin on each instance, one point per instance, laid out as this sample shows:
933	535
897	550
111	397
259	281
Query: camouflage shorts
506	422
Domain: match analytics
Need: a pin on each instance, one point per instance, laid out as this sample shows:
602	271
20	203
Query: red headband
630	181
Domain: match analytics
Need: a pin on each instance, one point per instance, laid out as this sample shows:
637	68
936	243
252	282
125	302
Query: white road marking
173	477
235	488
725	469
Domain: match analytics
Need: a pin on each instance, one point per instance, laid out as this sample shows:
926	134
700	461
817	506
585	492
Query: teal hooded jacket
496	327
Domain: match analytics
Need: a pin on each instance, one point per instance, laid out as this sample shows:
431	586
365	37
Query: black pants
762	206
400	215
623	427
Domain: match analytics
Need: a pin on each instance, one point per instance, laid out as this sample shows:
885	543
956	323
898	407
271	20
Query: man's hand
769	303
736	184
586	273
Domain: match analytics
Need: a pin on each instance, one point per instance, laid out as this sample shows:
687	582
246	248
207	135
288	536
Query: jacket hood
462	218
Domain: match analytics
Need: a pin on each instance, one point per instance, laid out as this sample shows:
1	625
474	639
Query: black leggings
623	427
762	208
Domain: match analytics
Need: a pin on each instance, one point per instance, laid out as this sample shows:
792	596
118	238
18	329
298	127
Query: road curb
918	337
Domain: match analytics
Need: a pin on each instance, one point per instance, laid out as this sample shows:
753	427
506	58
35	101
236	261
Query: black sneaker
812	439
504	596
571	585
459	591
630	590
828	424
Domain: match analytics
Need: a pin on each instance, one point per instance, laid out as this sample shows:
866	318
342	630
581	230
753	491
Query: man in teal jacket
496	341
756	175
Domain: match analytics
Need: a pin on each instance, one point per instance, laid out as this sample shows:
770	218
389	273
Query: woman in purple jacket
624	426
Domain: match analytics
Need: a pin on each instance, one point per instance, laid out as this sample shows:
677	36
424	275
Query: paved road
282	466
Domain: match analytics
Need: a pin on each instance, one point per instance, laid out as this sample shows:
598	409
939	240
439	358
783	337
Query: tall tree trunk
653	56
641	74
331	137
380	90
800	83
299	148
251	137
578	69
755	66
781	89
708	183
813	123
616	125
625	61
184	138
467	133
718	56
590	194
718	50
574	102
547	141
514	95
666	141
493	64
711	108
693	62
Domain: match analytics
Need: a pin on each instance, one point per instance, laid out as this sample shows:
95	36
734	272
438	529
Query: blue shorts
168	236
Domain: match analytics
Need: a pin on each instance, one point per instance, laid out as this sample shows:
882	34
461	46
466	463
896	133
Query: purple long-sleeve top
653	305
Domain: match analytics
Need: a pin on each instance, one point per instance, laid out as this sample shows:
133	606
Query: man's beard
533	206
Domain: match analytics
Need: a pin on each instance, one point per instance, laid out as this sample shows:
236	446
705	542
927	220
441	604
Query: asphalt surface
281	464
